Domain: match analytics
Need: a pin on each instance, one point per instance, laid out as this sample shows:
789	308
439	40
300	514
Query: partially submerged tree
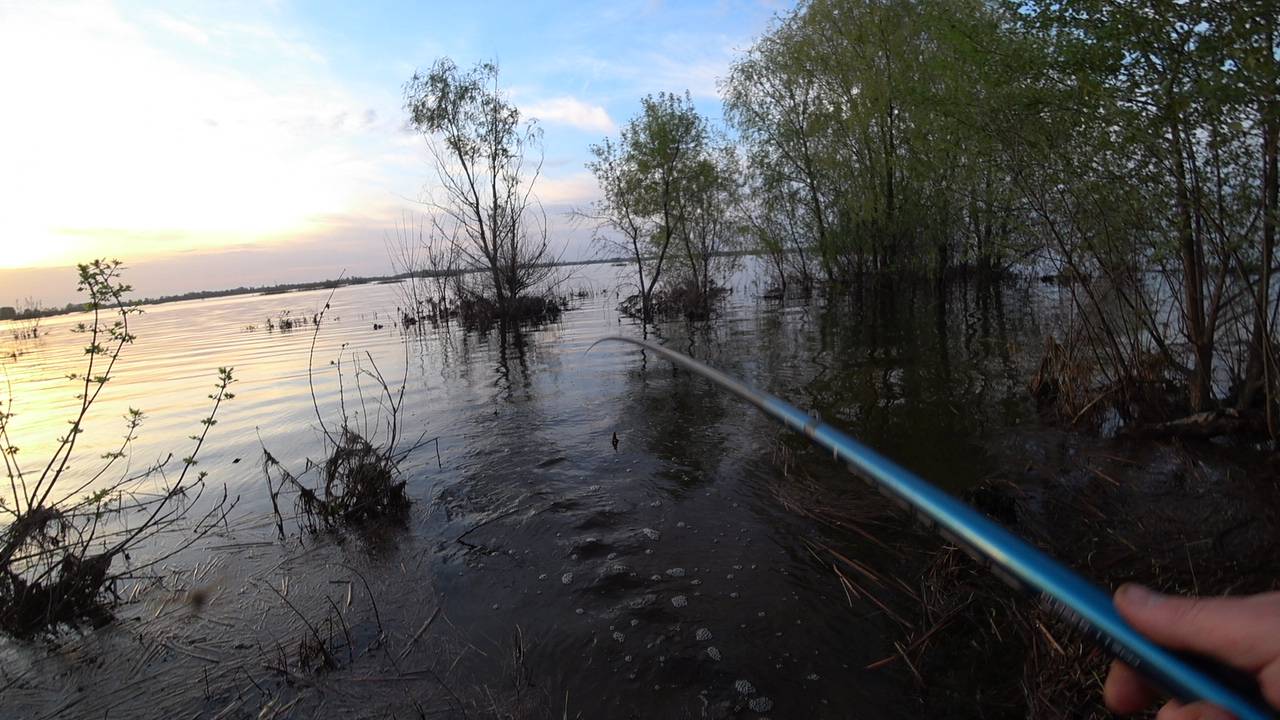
668	191
1127	148
487	162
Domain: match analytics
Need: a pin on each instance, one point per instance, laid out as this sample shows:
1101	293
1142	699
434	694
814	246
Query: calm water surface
540	572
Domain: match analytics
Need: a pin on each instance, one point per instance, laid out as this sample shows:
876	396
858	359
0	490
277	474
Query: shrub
59	546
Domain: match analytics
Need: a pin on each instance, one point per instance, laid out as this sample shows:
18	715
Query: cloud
573	112
179	27
124	144
573	191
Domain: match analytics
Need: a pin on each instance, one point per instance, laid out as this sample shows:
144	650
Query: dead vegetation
286	321
1166	518
358	480
65	530
685	299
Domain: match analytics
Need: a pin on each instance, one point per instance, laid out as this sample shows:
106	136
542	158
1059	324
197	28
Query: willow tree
870	122
1169	180
487	162
655	180
772	99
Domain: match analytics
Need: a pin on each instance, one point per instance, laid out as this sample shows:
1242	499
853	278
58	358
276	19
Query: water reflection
616	572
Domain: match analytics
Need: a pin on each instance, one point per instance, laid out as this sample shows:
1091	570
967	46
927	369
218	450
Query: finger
1240	631
1269	683
1174	710
1125	691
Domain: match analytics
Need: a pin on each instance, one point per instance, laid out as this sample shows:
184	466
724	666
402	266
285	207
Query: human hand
1243	632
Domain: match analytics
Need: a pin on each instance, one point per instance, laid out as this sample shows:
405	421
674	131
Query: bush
58	549
359	479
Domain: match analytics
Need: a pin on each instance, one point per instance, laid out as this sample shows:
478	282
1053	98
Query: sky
213	145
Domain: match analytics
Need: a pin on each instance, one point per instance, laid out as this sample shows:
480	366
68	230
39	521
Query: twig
421	630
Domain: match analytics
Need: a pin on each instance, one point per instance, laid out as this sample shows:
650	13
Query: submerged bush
63	534
477	311
359	478
685	299
359	482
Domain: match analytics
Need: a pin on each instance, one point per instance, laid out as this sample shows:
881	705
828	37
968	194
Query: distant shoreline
279	289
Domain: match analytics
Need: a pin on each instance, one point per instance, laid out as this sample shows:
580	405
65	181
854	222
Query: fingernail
1136	595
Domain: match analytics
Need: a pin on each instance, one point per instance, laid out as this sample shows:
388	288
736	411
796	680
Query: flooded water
540	572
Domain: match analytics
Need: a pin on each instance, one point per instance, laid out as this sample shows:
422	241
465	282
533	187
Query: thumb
1243	632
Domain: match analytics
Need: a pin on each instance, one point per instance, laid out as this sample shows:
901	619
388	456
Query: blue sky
218	144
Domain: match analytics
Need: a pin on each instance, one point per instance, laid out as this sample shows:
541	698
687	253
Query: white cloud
115	144
573	112
179	27
573	191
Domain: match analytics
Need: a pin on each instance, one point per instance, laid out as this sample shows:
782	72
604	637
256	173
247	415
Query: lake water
540	571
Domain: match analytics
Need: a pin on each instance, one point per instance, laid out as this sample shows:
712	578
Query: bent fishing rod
1185	676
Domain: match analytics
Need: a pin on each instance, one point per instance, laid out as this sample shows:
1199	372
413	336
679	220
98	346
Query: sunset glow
149	133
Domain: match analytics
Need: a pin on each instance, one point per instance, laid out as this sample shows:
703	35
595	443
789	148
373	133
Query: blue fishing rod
1187	677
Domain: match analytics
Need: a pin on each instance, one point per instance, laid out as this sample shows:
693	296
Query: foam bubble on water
713	653
679	601
651	533
676	572
761	704
619	637
702	634
744	687
566	578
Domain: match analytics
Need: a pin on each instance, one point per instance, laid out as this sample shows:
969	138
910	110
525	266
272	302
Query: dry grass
1155	514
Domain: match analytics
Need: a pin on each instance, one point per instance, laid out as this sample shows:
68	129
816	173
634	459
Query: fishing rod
1187	677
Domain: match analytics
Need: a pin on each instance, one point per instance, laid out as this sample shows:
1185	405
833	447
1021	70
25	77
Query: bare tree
487	161
420	251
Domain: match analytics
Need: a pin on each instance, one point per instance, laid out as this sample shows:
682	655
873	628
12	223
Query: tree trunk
1258	373
1200	388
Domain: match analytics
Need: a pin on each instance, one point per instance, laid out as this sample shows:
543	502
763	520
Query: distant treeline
31	312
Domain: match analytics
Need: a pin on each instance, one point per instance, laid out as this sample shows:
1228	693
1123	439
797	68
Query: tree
487	162
772	98
646	178
709	227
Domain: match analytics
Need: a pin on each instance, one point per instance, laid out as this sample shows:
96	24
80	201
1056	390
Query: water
664	578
